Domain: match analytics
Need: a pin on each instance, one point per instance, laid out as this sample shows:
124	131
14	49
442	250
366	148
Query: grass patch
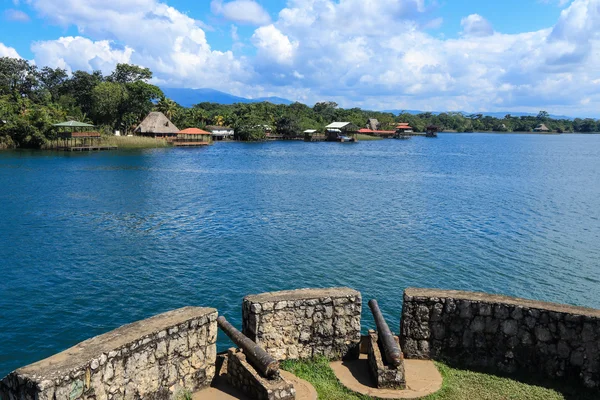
183	394
134	142
458	385
366	138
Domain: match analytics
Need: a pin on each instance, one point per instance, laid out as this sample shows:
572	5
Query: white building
220	132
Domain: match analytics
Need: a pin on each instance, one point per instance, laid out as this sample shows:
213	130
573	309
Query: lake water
92	241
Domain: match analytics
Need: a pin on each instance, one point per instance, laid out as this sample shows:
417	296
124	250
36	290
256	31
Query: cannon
391	349
264	363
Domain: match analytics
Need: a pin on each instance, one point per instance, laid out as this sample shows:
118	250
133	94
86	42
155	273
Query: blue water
92	241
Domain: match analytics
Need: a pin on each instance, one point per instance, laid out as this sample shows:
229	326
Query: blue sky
416	54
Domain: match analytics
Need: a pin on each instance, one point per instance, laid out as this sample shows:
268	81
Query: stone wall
502	333
243	376
305	323
385	376
149	359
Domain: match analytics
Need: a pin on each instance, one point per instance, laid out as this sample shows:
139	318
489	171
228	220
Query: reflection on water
92	241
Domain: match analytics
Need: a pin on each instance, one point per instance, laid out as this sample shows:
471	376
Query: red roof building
193	131
193	137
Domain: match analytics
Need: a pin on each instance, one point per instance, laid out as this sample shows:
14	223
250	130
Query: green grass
458	385
183	394
366	138
134	142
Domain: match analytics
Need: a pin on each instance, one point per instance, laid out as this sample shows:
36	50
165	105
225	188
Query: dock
190	144
87	148
315	138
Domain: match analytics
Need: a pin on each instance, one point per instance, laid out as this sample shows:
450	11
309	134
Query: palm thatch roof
156	122
542	128
373	124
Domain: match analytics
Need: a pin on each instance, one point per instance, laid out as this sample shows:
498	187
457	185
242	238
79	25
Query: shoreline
141	142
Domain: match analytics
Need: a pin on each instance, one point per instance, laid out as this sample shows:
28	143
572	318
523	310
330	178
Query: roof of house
310	131
404	126
194	131
74	124
156	122
542	127
337	125
218	128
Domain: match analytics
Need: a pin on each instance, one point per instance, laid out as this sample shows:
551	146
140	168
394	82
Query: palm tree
219	120
167	107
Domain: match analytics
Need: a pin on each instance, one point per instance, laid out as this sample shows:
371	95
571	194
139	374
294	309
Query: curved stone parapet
149	359
305	323
500	332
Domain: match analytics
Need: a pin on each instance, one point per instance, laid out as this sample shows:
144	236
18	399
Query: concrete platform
422	379
220	390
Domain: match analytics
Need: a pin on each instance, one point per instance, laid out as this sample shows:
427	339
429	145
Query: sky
431	55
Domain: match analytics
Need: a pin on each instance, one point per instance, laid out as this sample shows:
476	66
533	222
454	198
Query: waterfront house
193	137
157	125
312	135
78	136
341	132
432	131
404	127
220	132
541	128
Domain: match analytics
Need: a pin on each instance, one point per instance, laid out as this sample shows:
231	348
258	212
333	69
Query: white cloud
78	53
274	45
16	15
241	11
234	33
330	49
476	25
6	51
144	32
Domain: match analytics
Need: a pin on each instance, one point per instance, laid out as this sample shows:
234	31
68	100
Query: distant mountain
189	97
498	114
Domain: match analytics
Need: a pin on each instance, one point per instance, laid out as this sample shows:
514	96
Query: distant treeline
32	99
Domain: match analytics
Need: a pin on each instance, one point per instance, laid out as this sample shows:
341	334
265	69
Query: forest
33	98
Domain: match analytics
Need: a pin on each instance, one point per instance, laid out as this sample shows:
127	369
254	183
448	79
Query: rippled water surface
92	241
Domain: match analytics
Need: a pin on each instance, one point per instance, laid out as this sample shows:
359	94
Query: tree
107	98
249	127
140	99
128	73
218	120
18	78
167	107
53	81
288	126
80	87
543	115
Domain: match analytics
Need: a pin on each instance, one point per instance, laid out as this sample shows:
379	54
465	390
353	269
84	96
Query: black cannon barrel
258	357
392	351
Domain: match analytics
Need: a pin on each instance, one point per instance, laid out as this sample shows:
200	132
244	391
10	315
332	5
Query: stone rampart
149	359
305	323
502	333
243	376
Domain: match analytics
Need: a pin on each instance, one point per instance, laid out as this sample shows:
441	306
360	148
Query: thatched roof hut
156	124
541	128
373	124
